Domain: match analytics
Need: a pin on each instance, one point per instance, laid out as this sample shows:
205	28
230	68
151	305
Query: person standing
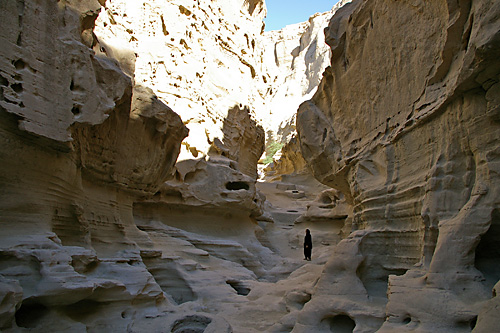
308	245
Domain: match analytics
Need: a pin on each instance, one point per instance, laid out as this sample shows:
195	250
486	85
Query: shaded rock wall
80	143
405	124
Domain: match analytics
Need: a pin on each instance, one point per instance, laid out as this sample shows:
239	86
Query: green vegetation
271	148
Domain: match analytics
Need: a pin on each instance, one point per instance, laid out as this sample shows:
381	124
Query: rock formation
294	59
105	229
292	62
205	58
199	57
95	232
405	125
80	143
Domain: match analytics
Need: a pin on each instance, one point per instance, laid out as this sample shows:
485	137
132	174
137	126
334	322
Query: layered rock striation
80	143
405	125
100	230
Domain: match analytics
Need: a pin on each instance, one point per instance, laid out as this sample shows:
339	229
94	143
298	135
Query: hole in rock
17	87
75	110
19	64
83	265
29	315
326	200
170	279
406	320
195	176
191	324
240	287
3	81
82	310
235	186
339	324
487	259
465	324
292	211
473	323
72	85
296	299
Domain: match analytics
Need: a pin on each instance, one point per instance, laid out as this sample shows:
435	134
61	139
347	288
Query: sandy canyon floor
253	276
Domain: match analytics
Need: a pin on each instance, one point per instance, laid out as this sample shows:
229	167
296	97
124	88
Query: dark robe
308	246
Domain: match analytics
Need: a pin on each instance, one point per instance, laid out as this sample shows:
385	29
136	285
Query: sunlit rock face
199	56
243	140
405	124
204	58
293	60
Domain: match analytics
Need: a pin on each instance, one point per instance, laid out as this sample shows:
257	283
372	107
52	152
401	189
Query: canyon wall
200	57
292	62
101	229
80	143
105	229
205	58
405	123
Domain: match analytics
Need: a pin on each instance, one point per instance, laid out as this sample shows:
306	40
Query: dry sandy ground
252	276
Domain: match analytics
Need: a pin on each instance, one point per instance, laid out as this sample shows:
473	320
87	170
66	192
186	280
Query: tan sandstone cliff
80	142
101	229
88	148
405	124
200	57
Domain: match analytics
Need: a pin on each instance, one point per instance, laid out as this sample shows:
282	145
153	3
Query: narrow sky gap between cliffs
281	13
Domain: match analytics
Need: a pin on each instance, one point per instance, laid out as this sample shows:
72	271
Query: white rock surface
205	58
200	57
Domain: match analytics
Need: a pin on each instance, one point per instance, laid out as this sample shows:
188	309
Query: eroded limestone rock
198	57
80	142
403	124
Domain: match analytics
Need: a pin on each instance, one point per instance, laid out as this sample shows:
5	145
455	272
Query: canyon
135	196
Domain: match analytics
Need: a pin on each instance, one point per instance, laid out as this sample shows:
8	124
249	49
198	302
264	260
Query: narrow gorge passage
161	160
